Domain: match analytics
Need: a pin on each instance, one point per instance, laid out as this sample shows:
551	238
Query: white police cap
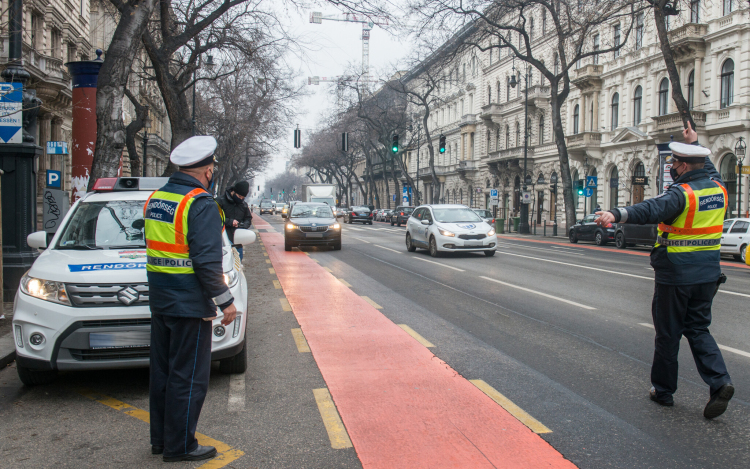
194	152
689	153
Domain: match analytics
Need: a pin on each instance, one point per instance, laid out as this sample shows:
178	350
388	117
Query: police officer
185	275
686	265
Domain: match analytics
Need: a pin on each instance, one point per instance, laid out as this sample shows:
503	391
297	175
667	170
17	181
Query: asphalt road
564	331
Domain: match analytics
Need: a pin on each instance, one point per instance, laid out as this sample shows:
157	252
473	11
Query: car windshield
311	211
455	215
483	213
265	204
116	224
407	209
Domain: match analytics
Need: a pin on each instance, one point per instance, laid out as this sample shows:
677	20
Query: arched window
518	134
663	96
507	137
727	83
615	109
691	89
637	103
614	191
576	111
541	130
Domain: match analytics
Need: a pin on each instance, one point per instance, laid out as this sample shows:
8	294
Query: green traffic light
395	149
442	150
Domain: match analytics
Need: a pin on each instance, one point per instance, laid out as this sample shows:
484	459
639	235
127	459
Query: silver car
449	228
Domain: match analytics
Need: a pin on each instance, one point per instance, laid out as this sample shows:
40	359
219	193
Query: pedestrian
687	270
598	208
185	292
236	212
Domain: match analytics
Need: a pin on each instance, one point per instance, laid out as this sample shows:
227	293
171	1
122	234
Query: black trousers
180	370
680	310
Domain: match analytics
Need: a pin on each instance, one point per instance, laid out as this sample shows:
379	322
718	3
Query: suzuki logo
314	225
128	296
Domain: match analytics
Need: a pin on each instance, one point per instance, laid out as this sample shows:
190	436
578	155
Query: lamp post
739	152
585	173
209	65
146	127
523	227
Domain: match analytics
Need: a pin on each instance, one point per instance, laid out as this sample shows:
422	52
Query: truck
323	193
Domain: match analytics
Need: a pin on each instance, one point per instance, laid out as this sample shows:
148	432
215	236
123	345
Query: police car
83	305
449	228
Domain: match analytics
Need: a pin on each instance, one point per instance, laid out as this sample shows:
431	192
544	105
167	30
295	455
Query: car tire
370	223
409	245
236	364
31	377
433	247
287	246
489	253
741	255
599	239
337	246
572	237
620	240
392	223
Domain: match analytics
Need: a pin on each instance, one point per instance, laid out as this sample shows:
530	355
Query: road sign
394	197
494	202
57	148
526	197
590	181
54	178
588	192
493	192
11	116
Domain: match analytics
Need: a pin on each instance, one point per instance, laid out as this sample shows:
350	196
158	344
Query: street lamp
523	227
739	152
210	66
146	127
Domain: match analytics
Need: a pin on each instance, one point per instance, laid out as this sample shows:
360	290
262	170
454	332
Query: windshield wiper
80	247
127	246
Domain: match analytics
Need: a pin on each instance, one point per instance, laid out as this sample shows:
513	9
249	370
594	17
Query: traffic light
297	138
579	186
394	146
442	144
271	190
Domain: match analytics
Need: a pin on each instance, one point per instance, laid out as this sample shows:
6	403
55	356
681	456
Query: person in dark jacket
236	212
183	227
687	269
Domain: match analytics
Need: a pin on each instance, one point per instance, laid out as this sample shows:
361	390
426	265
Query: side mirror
243	237
37	240
426	222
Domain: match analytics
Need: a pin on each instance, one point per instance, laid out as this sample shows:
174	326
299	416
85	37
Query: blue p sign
53	178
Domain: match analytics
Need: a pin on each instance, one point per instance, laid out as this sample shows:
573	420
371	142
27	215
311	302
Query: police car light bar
105	184
124	184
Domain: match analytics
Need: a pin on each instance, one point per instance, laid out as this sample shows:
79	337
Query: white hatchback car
449	228
83	305
735	237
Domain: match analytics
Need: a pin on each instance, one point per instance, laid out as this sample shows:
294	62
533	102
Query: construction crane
317	17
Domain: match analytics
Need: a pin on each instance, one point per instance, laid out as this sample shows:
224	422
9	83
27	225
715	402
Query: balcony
672	123
468	119
539	97
688	41
439	170
584	141
589	77
510	154
465	166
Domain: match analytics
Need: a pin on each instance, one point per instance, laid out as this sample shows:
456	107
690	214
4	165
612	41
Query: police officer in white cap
687	271
186	286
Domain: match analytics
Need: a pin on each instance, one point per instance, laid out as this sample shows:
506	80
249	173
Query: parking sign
53	178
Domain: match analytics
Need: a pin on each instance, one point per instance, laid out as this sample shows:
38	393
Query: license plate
362	214
125	339
472	243
314	235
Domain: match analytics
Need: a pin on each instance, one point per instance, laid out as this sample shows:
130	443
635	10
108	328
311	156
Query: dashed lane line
236	400
440	264
299	339
276	285
372	303
271	271
557	298
521	415
416	336
388	249
360	239
226	454
346	284
721	347
285	305
268	261
334	426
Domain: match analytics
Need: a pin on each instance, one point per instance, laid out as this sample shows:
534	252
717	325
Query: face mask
211	182
673	173
236	199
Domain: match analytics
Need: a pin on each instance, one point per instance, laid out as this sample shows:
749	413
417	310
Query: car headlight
231	278
45	289
446	233
491	232
291	226
335	226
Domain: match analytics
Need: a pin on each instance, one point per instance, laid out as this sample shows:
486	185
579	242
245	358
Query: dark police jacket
191	295
665	208
234	211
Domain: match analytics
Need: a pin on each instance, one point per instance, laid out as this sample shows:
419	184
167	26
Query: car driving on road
311	224
359	214
588	230
401	215
628	234
449	228
735	237
266	206
84	304
486	216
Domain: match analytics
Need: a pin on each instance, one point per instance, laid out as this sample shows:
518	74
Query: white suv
83	305
450	228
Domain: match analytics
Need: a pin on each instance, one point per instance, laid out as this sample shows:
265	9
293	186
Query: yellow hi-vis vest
699	227
166	218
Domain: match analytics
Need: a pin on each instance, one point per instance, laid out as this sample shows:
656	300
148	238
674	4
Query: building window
497	139
531	29
691	89
507	137
639	32
541	130
728	4
489	141
615	109
464	75
614	191
596	49
507	88
56	42
518	134
663	96
617	40
36	31
544	21
499	91
727	83
489	94
637	103
695	8
575	119
71	53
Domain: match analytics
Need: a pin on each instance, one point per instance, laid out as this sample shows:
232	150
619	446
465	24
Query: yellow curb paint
271	271
314	260
285	304
268	261
331	419
276	285
521	415
327	269
372	303
346	284
416	336
299	339
226	454
265	254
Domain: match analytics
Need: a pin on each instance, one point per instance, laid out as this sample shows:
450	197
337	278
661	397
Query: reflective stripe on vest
699	226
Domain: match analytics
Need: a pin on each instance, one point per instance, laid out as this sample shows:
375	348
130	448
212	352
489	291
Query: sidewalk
7	347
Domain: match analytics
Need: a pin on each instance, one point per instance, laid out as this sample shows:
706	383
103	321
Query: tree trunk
562	149
110	91
674	76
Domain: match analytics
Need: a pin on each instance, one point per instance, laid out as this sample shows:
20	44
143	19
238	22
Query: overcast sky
331	48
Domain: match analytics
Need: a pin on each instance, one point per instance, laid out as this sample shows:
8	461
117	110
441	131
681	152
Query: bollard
545	229
534	222
554	228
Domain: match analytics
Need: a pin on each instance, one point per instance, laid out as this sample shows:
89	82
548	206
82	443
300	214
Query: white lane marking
389	249
236	393
733	293
538	293
721	347
441	265
576	265
355	229
360	239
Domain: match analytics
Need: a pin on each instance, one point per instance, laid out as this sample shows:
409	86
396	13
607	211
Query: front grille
465	236
88	295
117	322
314	229
111	354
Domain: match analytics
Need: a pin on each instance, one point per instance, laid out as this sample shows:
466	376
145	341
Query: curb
7	350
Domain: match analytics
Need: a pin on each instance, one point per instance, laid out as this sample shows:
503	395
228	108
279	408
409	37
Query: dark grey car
359	214
311	224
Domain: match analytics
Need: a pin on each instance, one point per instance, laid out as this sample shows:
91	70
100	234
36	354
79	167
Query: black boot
717	405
